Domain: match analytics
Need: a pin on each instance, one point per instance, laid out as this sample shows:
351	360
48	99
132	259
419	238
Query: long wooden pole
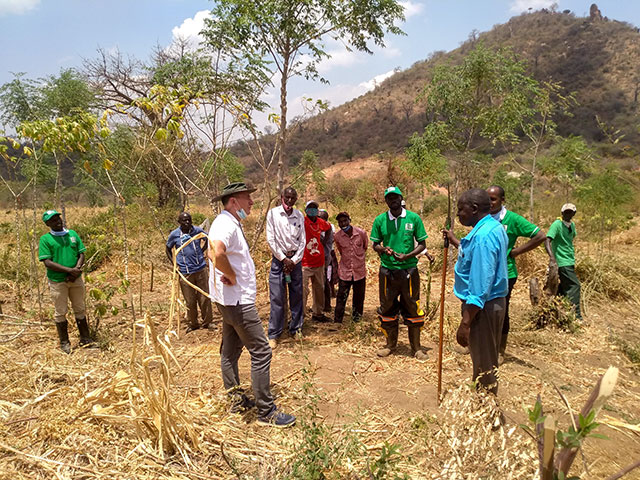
442	289
441	337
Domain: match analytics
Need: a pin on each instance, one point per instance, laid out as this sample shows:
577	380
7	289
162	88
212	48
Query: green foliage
568	162
308	171
472	107
484	98
603	198
27	100
322	449
574	437
515	188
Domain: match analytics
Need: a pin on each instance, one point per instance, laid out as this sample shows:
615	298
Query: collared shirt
190	259
562	242
398	233
481	269
61	249
314	249
352	251
285	233
514	226
226	228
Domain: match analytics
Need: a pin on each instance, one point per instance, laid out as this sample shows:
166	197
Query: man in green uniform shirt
62	253
514	226
393	236
559	245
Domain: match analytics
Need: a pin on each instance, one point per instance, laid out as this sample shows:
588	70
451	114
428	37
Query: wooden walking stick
442	287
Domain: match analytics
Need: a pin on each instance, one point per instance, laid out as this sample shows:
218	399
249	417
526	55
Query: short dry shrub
554	311
613	277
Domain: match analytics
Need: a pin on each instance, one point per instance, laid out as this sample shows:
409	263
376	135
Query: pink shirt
352	254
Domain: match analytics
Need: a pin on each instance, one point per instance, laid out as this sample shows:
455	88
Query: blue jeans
277	286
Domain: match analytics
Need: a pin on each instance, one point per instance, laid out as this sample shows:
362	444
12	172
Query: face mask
346	229
61	233
242	214
312	212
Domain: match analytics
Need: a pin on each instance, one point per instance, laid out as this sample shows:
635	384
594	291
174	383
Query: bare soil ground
47	432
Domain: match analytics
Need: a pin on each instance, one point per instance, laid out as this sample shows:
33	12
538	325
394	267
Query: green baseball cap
395	190
49	214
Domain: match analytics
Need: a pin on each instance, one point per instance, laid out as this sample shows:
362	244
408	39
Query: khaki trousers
61	293
193	298
316	275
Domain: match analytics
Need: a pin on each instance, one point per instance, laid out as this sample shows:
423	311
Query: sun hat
236	187
568	206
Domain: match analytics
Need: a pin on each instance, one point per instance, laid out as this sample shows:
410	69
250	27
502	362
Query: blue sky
40	37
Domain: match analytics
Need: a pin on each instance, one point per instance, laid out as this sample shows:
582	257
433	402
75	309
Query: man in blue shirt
482	285
192	262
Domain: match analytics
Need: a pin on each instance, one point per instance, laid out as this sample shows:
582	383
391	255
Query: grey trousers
241	327
484	343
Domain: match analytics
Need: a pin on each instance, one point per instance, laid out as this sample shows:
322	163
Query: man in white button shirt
286	239
232	286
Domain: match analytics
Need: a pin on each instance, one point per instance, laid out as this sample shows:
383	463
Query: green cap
48	215
395	190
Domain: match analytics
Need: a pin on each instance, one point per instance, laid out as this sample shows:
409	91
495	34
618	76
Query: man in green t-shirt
394	235
62	253
559	245
514	226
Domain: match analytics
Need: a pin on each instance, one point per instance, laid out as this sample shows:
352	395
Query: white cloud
377	80
520	6
412	8
17	7
190	28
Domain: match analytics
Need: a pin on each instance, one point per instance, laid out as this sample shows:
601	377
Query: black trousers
344	286
505	324
400	294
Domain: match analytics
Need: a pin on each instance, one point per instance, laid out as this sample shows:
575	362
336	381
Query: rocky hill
596	58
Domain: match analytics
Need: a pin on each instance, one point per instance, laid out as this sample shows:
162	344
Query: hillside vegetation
597	59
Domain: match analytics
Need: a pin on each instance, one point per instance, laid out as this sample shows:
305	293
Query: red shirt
314	250
352	250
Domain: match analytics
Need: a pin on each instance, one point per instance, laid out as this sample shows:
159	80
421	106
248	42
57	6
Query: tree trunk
283	121
16	203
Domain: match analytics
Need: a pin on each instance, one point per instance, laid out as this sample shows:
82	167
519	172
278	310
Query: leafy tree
472	108
602	199
569	161
291	34
184	106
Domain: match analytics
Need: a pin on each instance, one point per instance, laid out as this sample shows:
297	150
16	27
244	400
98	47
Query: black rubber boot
63	335
391	332
83	328
414	341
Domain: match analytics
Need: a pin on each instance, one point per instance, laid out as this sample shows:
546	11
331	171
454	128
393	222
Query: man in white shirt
286	239
232	286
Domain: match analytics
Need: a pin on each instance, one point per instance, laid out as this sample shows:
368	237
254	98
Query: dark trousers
570	286
277	293
484	343
506	324
359	288
241	327
193	298
400	293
